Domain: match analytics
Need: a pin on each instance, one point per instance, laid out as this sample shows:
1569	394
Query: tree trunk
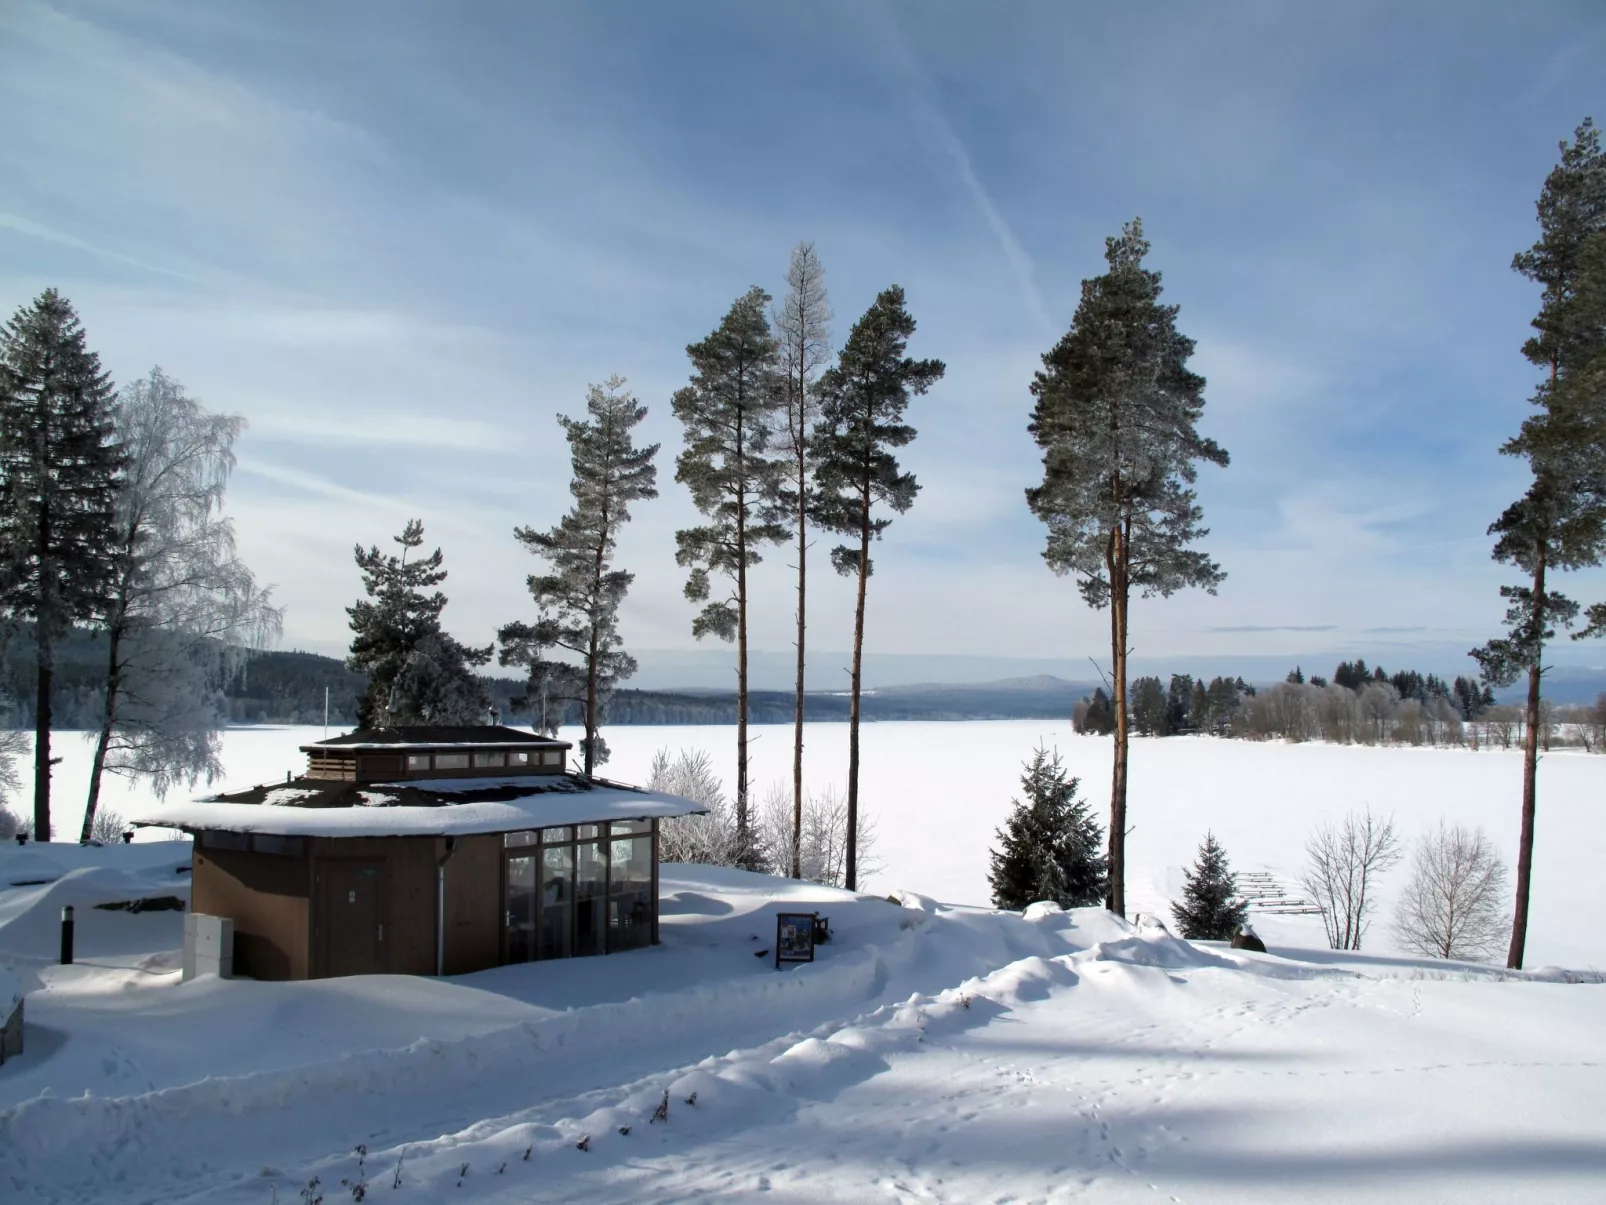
1116	901
797	723
851	877
1530	774
108	720
741	674
41	741
591	651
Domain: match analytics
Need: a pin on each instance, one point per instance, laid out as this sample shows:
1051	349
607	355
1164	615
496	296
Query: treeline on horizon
1358	705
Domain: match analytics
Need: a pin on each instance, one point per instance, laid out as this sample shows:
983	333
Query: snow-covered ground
933	1053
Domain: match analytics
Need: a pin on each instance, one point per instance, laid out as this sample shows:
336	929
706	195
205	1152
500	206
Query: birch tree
804	326
1116	416
579	598
1559	523
729	411
862	401
58	479
182	608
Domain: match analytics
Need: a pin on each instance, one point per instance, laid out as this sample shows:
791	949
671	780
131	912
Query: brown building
426	851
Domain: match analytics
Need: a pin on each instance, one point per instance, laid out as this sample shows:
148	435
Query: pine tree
730	411
803	325
1559	524
1048	848
417	673
1100	719
1199	707
579	599
59	468
1210	909
1116	417
862	402
1178	698
1148	707
182	609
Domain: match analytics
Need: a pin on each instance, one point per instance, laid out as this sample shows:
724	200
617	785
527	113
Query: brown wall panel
265	895
409	908
474	905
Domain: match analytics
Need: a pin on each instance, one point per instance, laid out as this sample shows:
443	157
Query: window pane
484	758
521	897
451	761
557	836
519	757
590	832
625	827
590	899
552	757
630	893
418	761
513	840
557	901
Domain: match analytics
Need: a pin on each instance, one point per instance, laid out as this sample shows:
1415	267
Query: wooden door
350	932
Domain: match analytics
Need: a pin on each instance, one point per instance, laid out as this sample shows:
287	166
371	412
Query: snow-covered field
933	1053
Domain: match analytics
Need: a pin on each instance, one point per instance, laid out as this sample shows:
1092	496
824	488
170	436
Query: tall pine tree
1559	524
862	401
1048	849
1116	418
59	470
729	411
803	325
1210	908
579	598
417	673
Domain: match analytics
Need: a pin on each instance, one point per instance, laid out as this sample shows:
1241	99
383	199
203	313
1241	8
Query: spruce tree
1148	707
862	402
730	411
1559	523
803	325
1049	847
59	471
1210	908
579	598
417	673
1116	417
1100	720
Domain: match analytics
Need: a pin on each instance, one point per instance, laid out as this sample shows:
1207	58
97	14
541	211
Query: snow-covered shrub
823	839
709	839
108	828
1454	905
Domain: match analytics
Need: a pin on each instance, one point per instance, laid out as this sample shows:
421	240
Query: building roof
319	807
437	735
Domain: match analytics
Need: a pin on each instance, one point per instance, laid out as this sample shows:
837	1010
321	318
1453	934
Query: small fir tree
1049	848
417	673
1210	907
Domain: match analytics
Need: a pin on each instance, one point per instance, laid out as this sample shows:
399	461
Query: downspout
440	906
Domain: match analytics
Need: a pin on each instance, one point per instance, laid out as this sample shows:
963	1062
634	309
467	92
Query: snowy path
1090	1077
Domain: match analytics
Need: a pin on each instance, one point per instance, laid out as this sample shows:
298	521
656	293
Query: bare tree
1342	864
1453	904
824	842
1502	723
1380	702
710	839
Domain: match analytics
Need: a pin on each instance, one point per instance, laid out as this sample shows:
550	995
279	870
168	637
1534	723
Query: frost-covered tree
824	843
1559	523
59	464
1342	864
729	411
182	608
709	839
1454	904
1116	416
417	673
863	397
579	598
1210	908
803	327
1049	847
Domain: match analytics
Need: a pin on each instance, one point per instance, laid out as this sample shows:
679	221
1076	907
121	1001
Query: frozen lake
937	792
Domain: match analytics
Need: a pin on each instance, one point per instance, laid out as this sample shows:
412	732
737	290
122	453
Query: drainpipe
440	906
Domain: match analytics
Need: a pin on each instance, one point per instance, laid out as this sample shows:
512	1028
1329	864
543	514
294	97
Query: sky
401	237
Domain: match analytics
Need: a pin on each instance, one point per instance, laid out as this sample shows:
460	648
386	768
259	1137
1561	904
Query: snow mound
1042	910
29	867
1157	948
10	992
30	917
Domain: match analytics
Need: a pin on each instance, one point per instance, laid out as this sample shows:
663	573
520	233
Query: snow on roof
423	808
436	736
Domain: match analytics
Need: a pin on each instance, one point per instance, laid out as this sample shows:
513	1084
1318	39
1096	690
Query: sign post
794	937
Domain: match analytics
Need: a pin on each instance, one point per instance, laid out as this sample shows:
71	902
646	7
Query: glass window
515	840
625	827
557	836
589	832
557	901
451	761
490	758
418	761
521	903
518	757
630	892
590	898
552	757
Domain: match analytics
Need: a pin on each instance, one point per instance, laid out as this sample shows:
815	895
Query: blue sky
400	237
